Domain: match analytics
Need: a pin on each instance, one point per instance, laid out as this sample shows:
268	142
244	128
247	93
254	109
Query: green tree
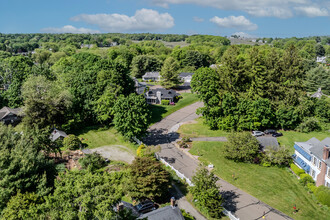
46	103
206	193
170	73
145	63
92	161
148	178
320	51
71	142
318	77
23	167
242	147
132	116
84	195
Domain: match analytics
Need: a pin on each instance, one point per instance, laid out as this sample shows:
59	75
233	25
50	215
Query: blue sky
258	18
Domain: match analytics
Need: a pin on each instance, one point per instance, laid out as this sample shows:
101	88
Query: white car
257	133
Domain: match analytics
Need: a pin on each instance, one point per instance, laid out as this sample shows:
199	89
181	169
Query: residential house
10	115
154	76
140	87
186	77
57	134
321	59
313	157
318	94
165	213
155	96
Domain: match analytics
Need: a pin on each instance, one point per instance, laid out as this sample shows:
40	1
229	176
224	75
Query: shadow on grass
156	113
84	130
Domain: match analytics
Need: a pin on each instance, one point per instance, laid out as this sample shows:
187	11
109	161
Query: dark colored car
145	206
277	134
270	131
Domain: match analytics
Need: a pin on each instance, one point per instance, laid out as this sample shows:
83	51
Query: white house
186	77
154	76
321	59
313	157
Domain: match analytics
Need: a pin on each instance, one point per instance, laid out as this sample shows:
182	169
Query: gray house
140	87
318	94
154	76
186	77
57	134
10	115
155	96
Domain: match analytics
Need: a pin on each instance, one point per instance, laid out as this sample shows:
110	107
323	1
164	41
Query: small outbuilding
57	134
165	213
10	115
154	76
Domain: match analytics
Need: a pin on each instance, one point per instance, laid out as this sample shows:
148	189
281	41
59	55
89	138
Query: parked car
277	134
145	206
270	131
257	133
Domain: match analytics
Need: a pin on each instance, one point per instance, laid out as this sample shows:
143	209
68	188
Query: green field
275	186
97	137
161	111
200	129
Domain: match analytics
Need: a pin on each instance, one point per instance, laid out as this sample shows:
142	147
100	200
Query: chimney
320	180
159	96
173	202
325	152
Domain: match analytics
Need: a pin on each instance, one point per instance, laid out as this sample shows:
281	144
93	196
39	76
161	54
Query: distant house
57	134
165	213
154	76
10	115
140	87
318	94
313	157
186	77
155	96
321	59
268	142
215	66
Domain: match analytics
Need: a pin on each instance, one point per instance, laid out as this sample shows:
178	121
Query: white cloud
239	22
69	29
143	20
198	19
312	11
243	35
260	8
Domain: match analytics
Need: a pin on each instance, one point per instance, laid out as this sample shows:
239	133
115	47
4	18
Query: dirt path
115	152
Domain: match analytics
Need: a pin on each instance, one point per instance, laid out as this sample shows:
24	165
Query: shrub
280	157
165	102
184	142
71	142
139	151
92	161
311	187
305	179
322	194
296	169
308	125
186	215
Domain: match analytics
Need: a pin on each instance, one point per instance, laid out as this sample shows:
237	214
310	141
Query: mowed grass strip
97	137
275	186
161	111
199	129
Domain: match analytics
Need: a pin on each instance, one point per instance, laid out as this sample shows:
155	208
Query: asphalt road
163	133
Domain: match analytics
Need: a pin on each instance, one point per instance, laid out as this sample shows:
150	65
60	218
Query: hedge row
296	169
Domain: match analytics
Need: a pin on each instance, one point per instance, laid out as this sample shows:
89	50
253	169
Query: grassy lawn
289	137
161	111
275	186
97	137
200	129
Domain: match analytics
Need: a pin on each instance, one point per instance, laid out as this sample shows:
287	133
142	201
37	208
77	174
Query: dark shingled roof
165	93
165	213
185	74
6	111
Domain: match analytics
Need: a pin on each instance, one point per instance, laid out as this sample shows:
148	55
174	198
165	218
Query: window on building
313	174
314	161
327	184
328	172
320	164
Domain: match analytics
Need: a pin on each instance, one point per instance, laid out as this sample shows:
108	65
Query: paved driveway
163	133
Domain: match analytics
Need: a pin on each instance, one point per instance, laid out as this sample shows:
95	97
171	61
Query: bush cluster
165	102
296	169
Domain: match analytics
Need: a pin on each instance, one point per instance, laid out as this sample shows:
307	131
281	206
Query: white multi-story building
313	157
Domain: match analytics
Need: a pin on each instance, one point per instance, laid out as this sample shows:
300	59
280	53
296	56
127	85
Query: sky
249	18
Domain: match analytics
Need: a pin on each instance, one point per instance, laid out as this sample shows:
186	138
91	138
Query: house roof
6	111
151	74
318	94
165	213
164	93
185	74
268	141
315	147
139	84
57	134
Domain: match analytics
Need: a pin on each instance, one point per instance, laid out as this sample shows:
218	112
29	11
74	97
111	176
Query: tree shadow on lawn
156	113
